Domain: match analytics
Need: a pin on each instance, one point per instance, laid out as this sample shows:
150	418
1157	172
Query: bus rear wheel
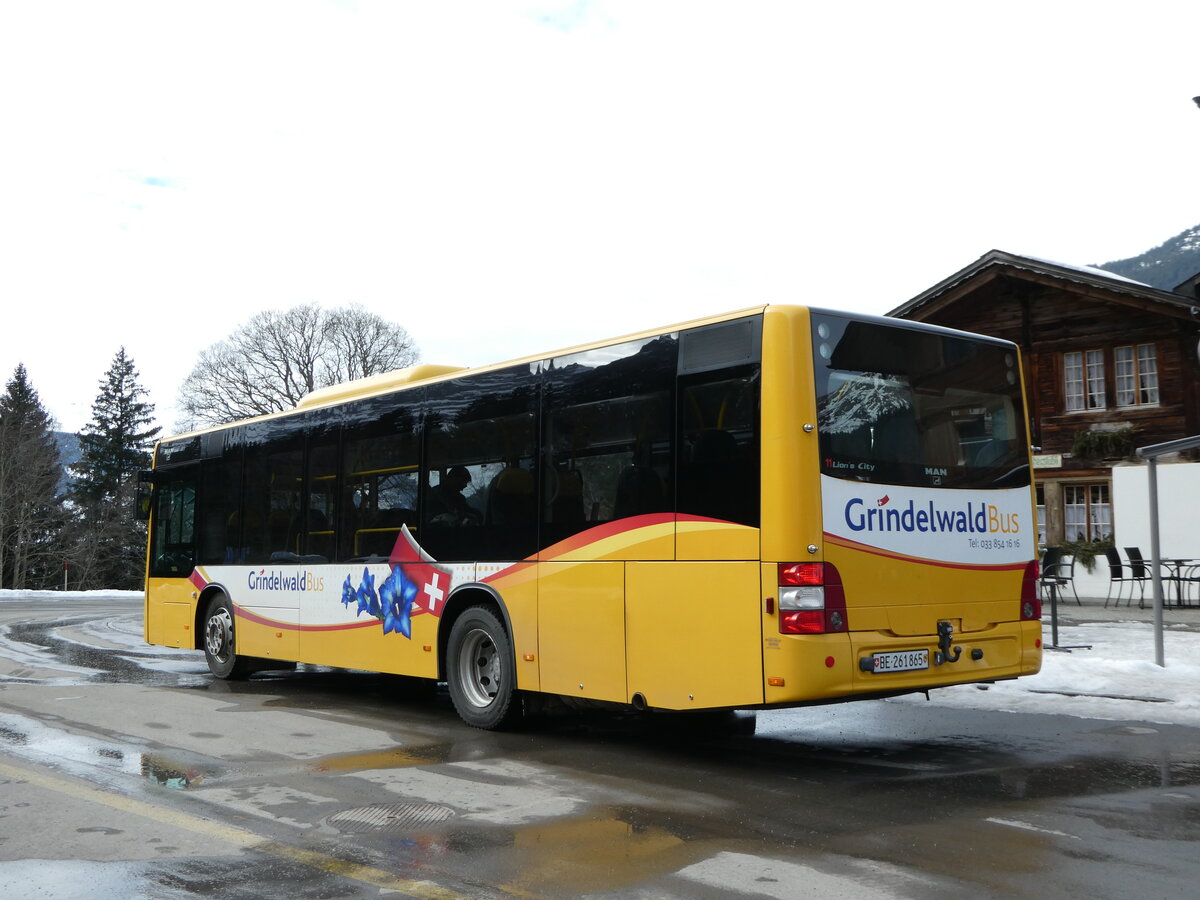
220	646
481	670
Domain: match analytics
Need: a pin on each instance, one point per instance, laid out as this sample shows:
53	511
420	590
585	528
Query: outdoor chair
1189	577
1117	579
1057	572
1179	577
1139	572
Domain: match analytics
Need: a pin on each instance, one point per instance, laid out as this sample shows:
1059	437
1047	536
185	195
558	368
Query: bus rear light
802	621
801	573
811	599
801	597
1031	603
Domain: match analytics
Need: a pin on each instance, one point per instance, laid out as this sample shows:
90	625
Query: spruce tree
30	471
109	542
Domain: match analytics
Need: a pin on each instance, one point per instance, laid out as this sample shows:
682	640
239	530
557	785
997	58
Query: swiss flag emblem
432	581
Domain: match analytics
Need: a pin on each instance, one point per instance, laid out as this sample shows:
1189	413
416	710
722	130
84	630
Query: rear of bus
916	568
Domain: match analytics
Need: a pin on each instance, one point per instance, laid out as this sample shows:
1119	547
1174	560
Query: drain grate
389	817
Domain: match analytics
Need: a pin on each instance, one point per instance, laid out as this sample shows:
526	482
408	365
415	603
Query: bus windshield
908	406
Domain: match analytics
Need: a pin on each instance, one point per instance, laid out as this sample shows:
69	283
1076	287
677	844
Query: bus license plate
900	661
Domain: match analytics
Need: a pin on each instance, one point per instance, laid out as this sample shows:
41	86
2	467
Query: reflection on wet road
323	782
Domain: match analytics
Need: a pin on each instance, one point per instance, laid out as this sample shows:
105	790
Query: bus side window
608	436
271	500
316	537
480	496
221	533
174	528
379	486
719	465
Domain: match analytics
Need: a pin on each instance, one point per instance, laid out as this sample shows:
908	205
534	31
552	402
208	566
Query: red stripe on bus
243	613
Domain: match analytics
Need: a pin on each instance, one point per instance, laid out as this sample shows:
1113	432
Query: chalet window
1137	375
1083	375
1087	512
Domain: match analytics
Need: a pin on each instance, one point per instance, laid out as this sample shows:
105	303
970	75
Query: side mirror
145	495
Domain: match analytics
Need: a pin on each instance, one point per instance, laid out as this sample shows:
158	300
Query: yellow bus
774	507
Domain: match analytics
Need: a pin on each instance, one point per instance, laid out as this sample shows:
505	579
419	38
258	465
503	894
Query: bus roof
428	373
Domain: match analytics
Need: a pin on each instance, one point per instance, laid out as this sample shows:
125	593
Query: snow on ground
71	595
1109	672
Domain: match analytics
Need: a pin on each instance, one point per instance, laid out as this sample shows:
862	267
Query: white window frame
1073	381
1083	380
1137	374
1094	366
1087	511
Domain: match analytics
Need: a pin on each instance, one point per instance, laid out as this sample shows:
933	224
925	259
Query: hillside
68	454
1166	266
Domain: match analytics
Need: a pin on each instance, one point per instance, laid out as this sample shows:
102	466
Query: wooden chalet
1110	365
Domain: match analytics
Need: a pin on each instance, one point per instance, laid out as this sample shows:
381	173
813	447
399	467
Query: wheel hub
218	635
481	668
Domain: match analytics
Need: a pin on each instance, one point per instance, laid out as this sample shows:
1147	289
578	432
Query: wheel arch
460	600
205	599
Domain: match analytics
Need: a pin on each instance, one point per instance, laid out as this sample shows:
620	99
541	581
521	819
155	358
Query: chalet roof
1189	288
997	262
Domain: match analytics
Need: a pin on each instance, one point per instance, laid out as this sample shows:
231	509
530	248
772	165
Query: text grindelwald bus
775	507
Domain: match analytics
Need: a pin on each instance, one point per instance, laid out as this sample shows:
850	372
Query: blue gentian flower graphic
397	595
348	592
368	601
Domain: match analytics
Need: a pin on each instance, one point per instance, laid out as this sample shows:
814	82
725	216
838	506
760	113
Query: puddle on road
76	878
1078	777
394	758
33	740
168	774
72	662
581	857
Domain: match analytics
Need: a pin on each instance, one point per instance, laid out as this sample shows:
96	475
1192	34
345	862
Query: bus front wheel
481	670
219	642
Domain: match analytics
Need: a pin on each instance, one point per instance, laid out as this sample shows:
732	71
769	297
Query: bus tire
220	645
481	670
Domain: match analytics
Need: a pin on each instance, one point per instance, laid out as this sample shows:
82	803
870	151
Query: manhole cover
390	817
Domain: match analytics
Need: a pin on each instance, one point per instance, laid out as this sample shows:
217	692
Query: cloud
568	17
159	181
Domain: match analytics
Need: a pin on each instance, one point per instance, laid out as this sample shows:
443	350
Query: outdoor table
1175	567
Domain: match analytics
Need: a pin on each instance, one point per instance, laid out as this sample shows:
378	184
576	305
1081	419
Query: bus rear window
903	405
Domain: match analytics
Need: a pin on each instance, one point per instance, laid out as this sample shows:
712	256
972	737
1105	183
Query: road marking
231	834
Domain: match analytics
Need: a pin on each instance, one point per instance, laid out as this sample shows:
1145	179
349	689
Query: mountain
68	454
864	400
1166	266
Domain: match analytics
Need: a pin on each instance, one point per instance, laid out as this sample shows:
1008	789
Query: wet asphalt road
126	770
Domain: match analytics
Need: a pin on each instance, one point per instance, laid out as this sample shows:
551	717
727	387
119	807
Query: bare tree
277	357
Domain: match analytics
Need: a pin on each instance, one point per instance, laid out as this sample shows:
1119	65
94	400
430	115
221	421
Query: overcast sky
505	178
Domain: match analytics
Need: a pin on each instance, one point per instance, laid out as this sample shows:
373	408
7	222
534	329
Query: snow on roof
1068	271
1087	270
